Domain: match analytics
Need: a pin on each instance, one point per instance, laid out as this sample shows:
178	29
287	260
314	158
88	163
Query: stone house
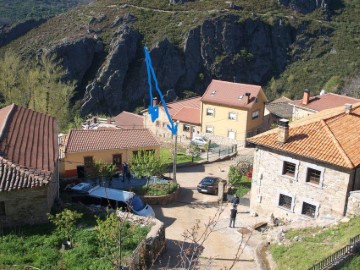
28	166
308	169
186	113
82	148
233	111
309	105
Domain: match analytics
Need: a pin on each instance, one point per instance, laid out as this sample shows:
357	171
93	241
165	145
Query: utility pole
175	152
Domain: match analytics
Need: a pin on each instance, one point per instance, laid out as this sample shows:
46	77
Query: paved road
221	246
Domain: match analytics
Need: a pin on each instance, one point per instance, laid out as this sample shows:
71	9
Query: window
231	134
313	176
289	169
164	125
210	112
117	161
186	128
2	209
255	115
285	201
135	153
88	162
308	209
209	129
157	123
232	116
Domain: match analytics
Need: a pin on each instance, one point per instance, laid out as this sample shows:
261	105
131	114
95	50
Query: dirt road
221	246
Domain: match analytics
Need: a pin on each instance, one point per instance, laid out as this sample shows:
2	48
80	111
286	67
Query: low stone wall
148	250
162	200
353	205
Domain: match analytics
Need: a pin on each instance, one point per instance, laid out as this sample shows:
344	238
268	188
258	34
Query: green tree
102	170
65	223
13	78
49	93
147	164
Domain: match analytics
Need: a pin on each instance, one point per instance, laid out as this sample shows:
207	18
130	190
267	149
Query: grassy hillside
13	11
324	55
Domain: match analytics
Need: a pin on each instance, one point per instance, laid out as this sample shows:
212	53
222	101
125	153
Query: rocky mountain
102	48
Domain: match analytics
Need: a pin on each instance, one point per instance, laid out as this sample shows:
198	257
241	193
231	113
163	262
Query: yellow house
232	110
84	147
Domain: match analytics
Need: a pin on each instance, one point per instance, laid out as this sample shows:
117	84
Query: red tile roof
129	120
28	148
325	101
230	94
175	107
330	136
188	115
106	139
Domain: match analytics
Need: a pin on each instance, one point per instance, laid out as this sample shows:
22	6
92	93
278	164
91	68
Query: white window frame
209	128
283	192
290	160
210	112
255	114
314	167
186	126
316	204
234	131
232	116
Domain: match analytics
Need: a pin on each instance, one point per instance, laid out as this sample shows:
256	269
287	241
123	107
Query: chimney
283	131
155	101
95	120
247	97
347	108
306	97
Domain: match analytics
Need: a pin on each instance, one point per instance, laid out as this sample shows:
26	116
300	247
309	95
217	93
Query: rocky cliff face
227	48
308	6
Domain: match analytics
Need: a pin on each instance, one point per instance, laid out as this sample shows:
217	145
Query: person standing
235	201
233	213
125	171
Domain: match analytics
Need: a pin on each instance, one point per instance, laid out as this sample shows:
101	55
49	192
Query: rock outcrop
307	6
105	94
76	56
249	51
9	33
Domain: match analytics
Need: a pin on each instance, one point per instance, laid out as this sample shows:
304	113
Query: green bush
157	189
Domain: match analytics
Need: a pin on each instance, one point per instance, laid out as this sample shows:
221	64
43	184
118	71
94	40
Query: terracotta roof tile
106	139
28	147
331	136
230	94
175	107
129	120
188	115
326	101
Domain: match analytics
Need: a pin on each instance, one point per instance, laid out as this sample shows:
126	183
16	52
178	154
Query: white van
95	194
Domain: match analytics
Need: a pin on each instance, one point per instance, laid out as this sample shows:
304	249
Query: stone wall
25	206
163	200
353	206
148	250
268	183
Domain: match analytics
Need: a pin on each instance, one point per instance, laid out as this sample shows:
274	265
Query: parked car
209	185
201	141
97	195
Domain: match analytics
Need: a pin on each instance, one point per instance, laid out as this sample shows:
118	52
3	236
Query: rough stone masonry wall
25	206
353	207
148	250
268	182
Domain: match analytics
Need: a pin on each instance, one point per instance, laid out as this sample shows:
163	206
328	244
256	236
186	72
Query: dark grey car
209	185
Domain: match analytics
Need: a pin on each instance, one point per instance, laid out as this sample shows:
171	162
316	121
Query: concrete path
221	246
